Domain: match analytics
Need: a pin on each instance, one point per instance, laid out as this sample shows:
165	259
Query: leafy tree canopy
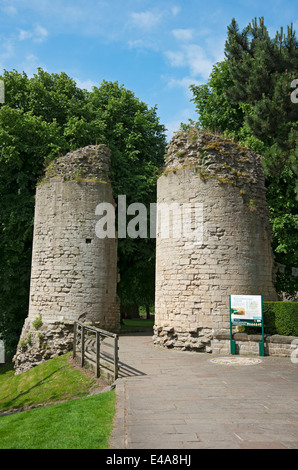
46	116
248	98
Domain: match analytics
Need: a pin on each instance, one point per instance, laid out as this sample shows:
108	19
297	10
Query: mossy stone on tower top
74	272
216	157
91	163
213	189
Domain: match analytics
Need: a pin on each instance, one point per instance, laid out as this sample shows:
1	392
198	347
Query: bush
281	318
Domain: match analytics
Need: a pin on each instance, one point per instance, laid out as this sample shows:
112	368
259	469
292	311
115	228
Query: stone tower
74	273
217	194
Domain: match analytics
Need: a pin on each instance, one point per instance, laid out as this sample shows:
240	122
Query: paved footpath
169	399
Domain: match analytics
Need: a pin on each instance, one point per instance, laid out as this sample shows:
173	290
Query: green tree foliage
137	142
262	70
248	98
216	113
46	116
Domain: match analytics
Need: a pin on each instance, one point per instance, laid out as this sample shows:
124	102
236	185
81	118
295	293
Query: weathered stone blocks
74	273
248	344
226	247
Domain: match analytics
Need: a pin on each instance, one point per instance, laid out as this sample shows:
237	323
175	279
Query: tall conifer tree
249	98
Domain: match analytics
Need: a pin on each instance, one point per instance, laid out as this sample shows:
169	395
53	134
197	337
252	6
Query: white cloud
176	58
182	116
194	57
9	9
30	64
216	47
85	84
146	20
24	35
175	10
136	44
38	34
183	83
199	63
6	49
172	127
183	34
180	82
143	44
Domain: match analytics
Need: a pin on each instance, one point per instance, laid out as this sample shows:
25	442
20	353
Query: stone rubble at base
74	273
230	253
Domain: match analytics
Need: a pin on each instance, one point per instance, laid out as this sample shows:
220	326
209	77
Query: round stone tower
213	238
74	273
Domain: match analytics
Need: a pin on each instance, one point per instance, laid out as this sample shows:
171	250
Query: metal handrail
99	333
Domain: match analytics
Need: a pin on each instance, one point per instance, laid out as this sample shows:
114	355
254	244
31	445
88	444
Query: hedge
281	318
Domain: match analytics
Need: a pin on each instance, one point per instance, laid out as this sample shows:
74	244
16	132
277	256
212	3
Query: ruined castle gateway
225	250
74	273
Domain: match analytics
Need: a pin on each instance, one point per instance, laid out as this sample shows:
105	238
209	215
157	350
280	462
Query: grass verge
54	380
84	423
75	421
136	325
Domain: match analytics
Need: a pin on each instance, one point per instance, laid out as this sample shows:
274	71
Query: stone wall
248	344
227	249
74	273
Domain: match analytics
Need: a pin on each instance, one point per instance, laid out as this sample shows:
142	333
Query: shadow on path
127	371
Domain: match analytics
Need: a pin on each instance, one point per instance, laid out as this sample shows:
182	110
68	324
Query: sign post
246	310
232	342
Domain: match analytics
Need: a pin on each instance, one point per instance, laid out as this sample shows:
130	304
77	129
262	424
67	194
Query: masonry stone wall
248	344
226	248
74	273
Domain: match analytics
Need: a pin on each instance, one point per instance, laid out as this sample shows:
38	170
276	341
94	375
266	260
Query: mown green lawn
76	423
83	423
51	381
136	324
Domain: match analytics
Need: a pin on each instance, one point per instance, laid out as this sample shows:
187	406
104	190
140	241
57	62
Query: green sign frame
246	310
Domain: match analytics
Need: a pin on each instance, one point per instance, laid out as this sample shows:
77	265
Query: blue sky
154	48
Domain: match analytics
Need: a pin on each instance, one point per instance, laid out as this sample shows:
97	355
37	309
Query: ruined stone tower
74	273
226	247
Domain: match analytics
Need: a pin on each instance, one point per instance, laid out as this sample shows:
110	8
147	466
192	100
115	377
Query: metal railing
93	346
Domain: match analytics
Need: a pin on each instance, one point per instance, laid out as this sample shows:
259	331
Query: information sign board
246	310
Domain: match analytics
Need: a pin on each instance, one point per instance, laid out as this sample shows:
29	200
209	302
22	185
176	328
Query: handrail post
115	357
97	354
74	349
83	346
83	330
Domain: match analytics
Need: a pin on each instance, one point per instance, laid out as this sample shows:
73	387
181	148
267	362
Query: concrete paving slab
168	399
